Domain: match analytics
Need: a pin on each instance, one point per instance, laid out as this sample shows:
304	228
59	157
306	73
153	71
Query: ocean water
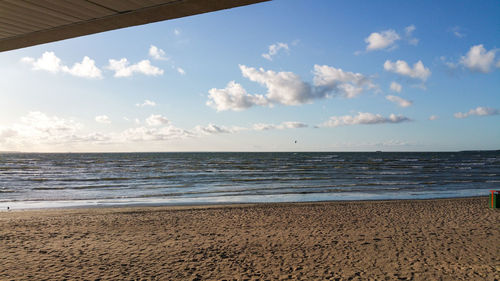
36	180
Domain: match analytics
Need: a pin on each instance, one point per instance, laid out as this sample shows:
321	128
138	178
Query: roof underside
26	23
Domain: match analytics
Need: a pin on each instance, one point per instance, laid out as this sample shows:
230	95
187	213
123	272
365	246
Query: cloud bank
157	120
212	129
282	126
38	129
478	111
103	119
365	118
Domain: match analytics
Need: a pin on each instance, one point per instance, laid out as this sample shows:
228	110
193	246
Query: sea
58	180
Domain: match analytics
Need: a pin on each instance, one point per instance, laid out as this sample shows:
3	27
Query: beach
441	239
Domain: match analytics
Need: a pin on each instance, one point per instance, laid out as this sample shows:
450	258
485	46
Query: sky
284	75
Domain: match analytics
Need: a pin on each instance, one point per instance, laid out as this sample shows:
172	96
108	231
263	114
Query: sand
447	239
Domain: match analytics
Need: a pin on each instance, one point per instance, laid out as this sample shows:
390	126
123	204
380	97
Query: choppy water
56	180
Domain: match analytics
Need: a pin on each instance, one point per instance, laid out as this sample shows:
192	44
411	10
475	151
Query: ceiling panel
119	6
26	23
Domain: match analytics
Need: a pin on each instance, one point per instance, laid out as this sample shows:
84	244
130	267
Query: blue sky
331	75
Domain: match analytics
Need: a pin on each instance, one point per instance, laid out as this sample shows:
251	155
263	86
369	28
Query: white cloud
399	101
94	137
157	53
157	120
86	69
396	87
123	69
6	133
293	125
212	129
478	59
181	71
274	49
413	41
51	63
363	118
38	128
370	145
146	103
168	132
408	32
433	117
457	32
163	130
263	127
381	40
282	87
392	143
334	80
287	88
30	60
233	97
418	71
102	119
177	31
282	126
478	111
48	62
50	124
449	64
409	29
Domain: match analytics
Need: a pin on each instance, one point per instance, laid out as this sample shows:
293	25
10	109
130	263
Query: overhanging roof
26	23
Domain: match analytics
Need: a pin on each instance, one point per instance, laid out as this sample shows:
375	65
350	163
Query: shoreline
186	207
107	204
448	239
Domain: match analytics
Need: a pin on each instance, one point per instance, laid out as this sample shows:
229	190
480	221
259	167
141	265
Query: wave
80	179
85	176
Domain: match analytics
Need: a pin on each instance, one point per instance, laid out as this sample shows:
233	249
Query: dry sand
450	239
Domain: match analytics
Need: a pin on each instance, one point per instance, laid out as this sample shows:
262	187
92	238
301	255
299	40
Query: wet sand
447	239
